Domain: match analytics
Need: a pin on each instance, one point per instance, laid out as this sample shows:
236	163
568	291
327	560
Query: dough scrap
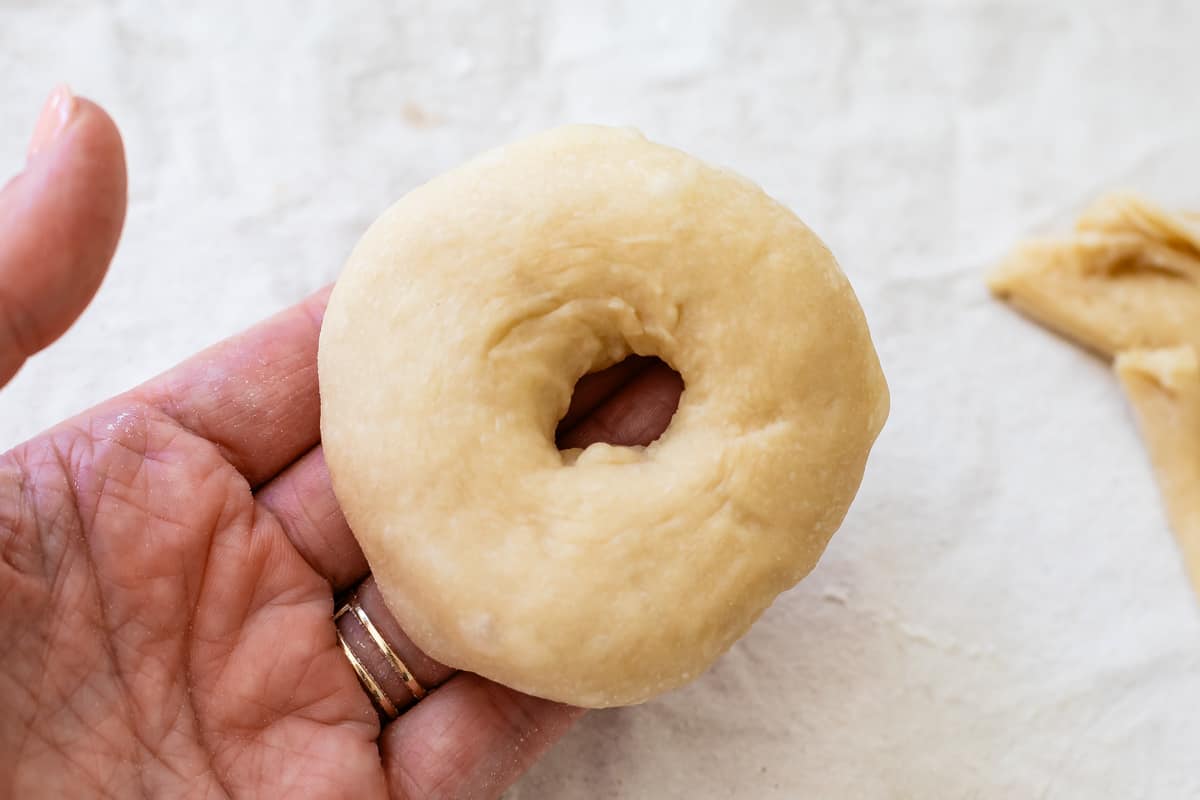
450	349
1127	285
1128	279
1163	386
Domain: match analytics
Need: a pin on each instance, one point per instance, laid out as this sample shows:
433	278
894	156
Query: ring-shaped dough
450	349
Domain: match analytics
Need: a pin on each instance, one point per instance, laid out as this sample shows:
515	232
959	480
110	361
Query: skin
169	560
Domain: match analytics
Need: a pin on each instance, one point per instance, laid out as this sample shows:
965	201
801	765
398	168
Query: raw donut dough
451	347
1128	278
1127	285
1163	387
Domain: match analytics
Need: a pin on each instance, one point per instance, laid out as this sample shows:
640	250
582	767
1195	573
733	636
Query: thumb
59	224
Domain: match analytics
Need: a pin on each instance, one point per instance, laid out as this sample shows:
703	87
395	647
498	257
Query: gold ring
369	681
414	686
378	696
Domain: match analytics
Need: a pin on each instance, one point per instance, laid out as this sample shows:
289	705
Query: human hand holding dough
449	352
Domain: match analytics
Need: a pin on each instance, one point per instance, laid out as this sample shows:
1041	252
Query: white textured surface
1003	614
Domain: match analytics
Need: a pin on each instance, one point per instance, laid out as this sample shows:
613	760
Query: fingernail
60	105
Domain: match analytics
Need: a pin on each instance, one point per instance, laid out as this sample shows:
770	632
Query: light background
1003	614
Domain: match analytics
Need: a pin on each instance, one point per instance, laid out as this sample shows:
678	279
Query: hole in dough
628	404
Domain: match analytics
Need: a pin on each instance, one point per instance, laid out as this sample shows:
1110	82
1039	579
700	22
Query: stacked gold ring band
369	682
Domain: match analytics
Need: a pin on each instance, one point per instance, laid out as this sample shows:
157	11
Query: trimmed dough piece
1164	388
450	349
1125	213
1127	285
1129	278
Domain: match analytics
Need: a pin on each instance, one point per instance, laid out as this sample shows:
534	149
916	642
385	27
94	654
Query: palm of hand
172	637
167	569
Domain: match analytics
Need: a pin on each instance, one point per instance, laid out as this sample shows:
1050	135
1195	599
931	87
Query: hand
169	559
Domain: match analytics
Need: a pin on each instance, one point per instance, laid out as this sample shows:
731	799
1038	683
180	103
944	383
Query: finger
593	389
302	499
470	738
254	395
428	673
60	220
637	413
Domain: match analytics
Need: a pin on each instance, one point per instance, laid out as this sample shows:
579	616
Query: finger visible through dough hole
630	403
